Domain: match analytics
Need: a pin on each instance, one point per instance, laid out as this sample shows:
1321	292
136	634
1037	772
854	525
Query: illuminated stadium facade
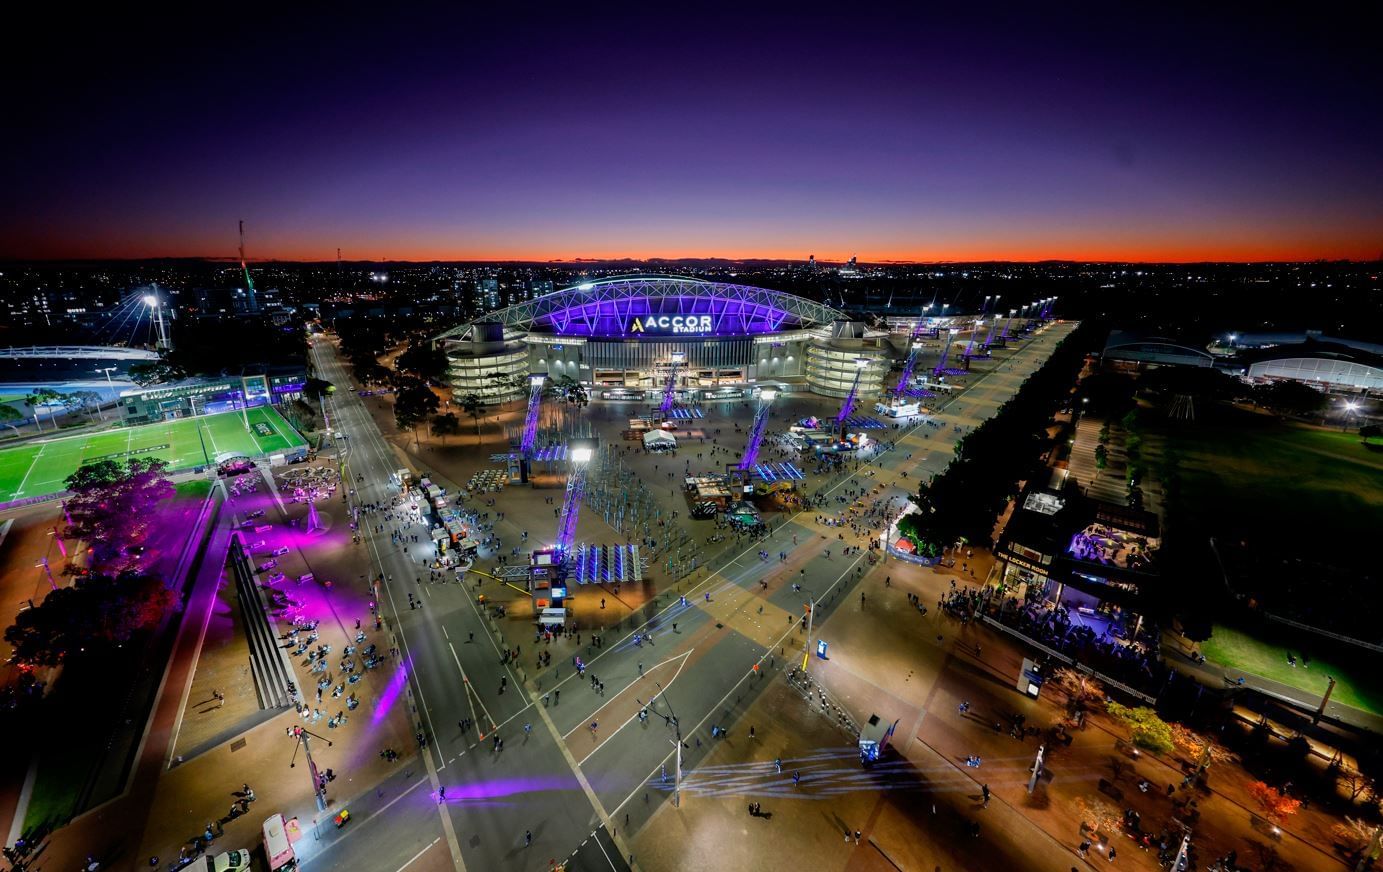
624	337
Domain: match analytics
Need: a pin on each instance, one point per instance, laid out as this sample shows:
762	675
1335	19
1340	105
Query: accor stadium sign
670	324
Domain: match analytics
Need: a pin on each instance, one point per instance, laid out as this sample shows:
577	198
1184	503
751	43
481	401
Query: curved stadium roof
622	307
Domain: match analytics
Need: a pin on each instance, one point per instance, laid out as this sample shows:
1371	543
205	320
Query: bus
277	848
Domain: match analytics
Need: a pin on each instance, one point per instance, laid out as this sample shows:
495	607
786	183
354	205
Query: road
578	790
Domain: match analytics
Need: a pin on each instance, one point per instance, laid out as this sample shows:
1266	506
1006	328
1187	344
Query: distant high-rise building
851	264
488	293
811	263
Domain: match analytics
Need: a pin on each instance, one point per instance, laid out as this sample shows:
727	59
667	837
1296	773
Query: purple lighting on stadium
727	313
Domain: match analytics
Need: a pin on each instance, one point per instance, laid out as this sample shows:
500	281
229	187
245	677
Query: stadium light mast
581	454
756	432
535	401
847	408
156	306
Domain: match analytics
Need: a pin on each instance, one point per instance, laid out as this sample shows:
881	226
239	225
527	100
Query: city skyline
900	137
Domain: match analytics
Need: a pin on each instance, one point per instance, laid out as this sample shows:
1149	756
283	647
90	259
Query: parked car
277	577
280	551
228	861
268	565
704	511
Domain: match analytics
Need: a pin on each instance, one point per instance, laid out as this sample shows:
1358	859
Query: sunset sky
546	133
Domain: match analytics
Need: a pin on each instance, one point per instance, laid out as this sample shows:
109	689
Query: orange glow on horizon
1034	254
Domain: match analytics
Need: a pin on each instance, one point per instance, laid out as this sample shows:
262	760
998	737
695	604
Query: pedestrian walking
527	838
984	791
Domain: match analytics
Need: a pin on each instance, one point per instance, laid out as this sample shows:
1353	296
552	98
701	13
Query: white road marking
420	853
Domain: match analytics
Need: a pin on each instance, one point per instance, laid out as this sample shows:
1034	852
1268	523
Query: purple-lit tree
112	508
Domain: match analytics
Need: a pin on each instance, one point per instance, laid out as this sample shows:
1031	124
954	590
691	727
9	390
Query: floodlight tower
670	389
249	283
989	337
530	422
945	350
848	407
156	309
906	378
756	432
1009	323
582	450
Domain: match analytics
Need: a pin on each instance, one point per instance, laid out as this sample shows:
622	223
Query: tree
317	387
9	414
414	402
472	405
423	361
112	508
1098	816
41	397
446	425
1354	835
1289	398
571	390
1101	457
84	401
97	613
1080	689
1201	750
1146	729
154	372
1275	805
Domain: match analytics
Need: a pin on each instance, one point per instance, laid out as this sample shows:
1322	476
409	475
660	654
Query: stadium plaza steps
268	663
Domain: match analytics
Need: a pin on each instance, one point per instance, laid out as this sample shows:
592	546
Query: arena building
624	337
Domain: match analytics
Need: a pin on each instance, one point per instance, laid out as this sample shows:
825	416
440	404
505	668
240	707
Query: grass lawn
40	468
1250	477
1267	657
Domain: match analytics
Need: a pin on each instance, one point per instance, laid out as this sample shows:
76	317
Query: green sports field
39	468
1265	654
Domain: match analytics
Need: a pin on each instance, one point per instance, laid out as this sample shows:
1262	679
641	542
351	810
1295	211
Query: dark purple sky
558	133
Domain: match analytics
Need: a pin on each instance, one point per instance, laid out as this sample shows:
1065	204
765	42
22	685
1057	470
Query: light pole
671	719
110	384
300	736
811	619
1350	408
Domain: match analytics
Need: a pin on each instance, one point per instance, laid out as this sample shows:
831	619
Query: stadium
626	337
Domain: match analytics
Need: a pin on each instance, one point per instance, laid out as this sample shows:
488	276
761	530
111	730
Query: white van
228	861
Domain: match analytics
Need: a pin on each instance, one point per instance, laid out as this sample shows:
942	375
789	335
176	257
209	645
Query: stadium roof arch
619	308
77	352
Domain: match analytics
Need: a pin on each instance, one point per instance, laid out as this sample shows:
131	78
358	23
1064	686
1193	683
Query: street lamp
671	719
1350	408
110	384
